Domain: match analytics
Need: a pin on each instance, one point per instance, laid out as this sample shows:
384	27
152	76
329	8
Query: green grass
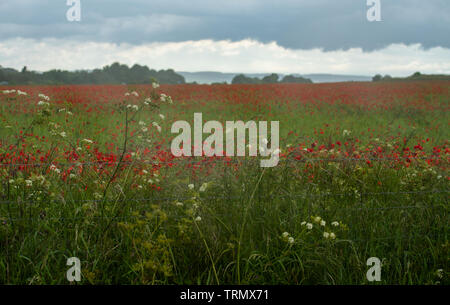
132	235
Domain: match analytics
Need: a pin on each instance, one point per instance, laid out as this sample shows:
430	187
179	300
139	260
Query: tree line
113	74
415	77
269	79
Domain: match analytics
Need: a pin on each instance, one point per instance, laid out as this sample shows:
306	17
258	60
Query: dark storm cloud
297	24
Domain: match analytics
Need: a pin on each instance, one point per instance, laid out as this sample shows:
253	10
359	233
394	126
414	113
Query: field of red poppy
87	172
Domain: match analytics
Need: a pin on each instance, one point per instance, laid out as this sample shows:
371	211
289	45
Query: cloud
294	24
249	56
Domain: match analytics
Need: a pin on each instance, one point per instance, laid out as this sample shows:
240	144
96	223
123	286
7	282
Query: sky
252	36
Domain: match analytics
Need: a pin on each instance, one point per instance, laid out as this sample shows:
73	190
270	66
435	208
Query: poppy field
87	172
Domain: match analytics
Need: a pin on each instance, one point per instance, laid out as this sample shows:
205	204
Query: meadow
87	172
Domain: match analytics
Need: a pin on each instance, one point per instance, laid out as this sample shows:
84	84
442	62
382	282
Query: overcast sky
285	36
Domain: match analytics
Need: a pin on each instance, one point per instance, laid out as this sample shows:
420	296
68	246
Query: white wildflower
203	187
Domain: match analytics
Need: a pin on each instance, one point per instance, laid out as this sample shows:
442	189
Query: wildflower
43	96
322	223
179	204
97	196
198	218
346	132
135	107
21	92
163	97
142	123
144	129
303	223
55	169
326	235
127	94
135	93
335	224
147	101
317	219
285	234
291	240
41	103
309	226
191	186
63	134
87	141
162	116
157	126
155	85
29	183
440	273
203	187
332	235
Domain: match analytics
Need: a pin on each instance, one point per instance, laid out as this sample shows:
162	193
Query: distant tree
294	79
270	79
242	79
377	78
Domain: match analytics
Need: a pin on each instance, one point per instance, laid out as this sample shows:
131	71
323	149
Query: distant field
85	172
